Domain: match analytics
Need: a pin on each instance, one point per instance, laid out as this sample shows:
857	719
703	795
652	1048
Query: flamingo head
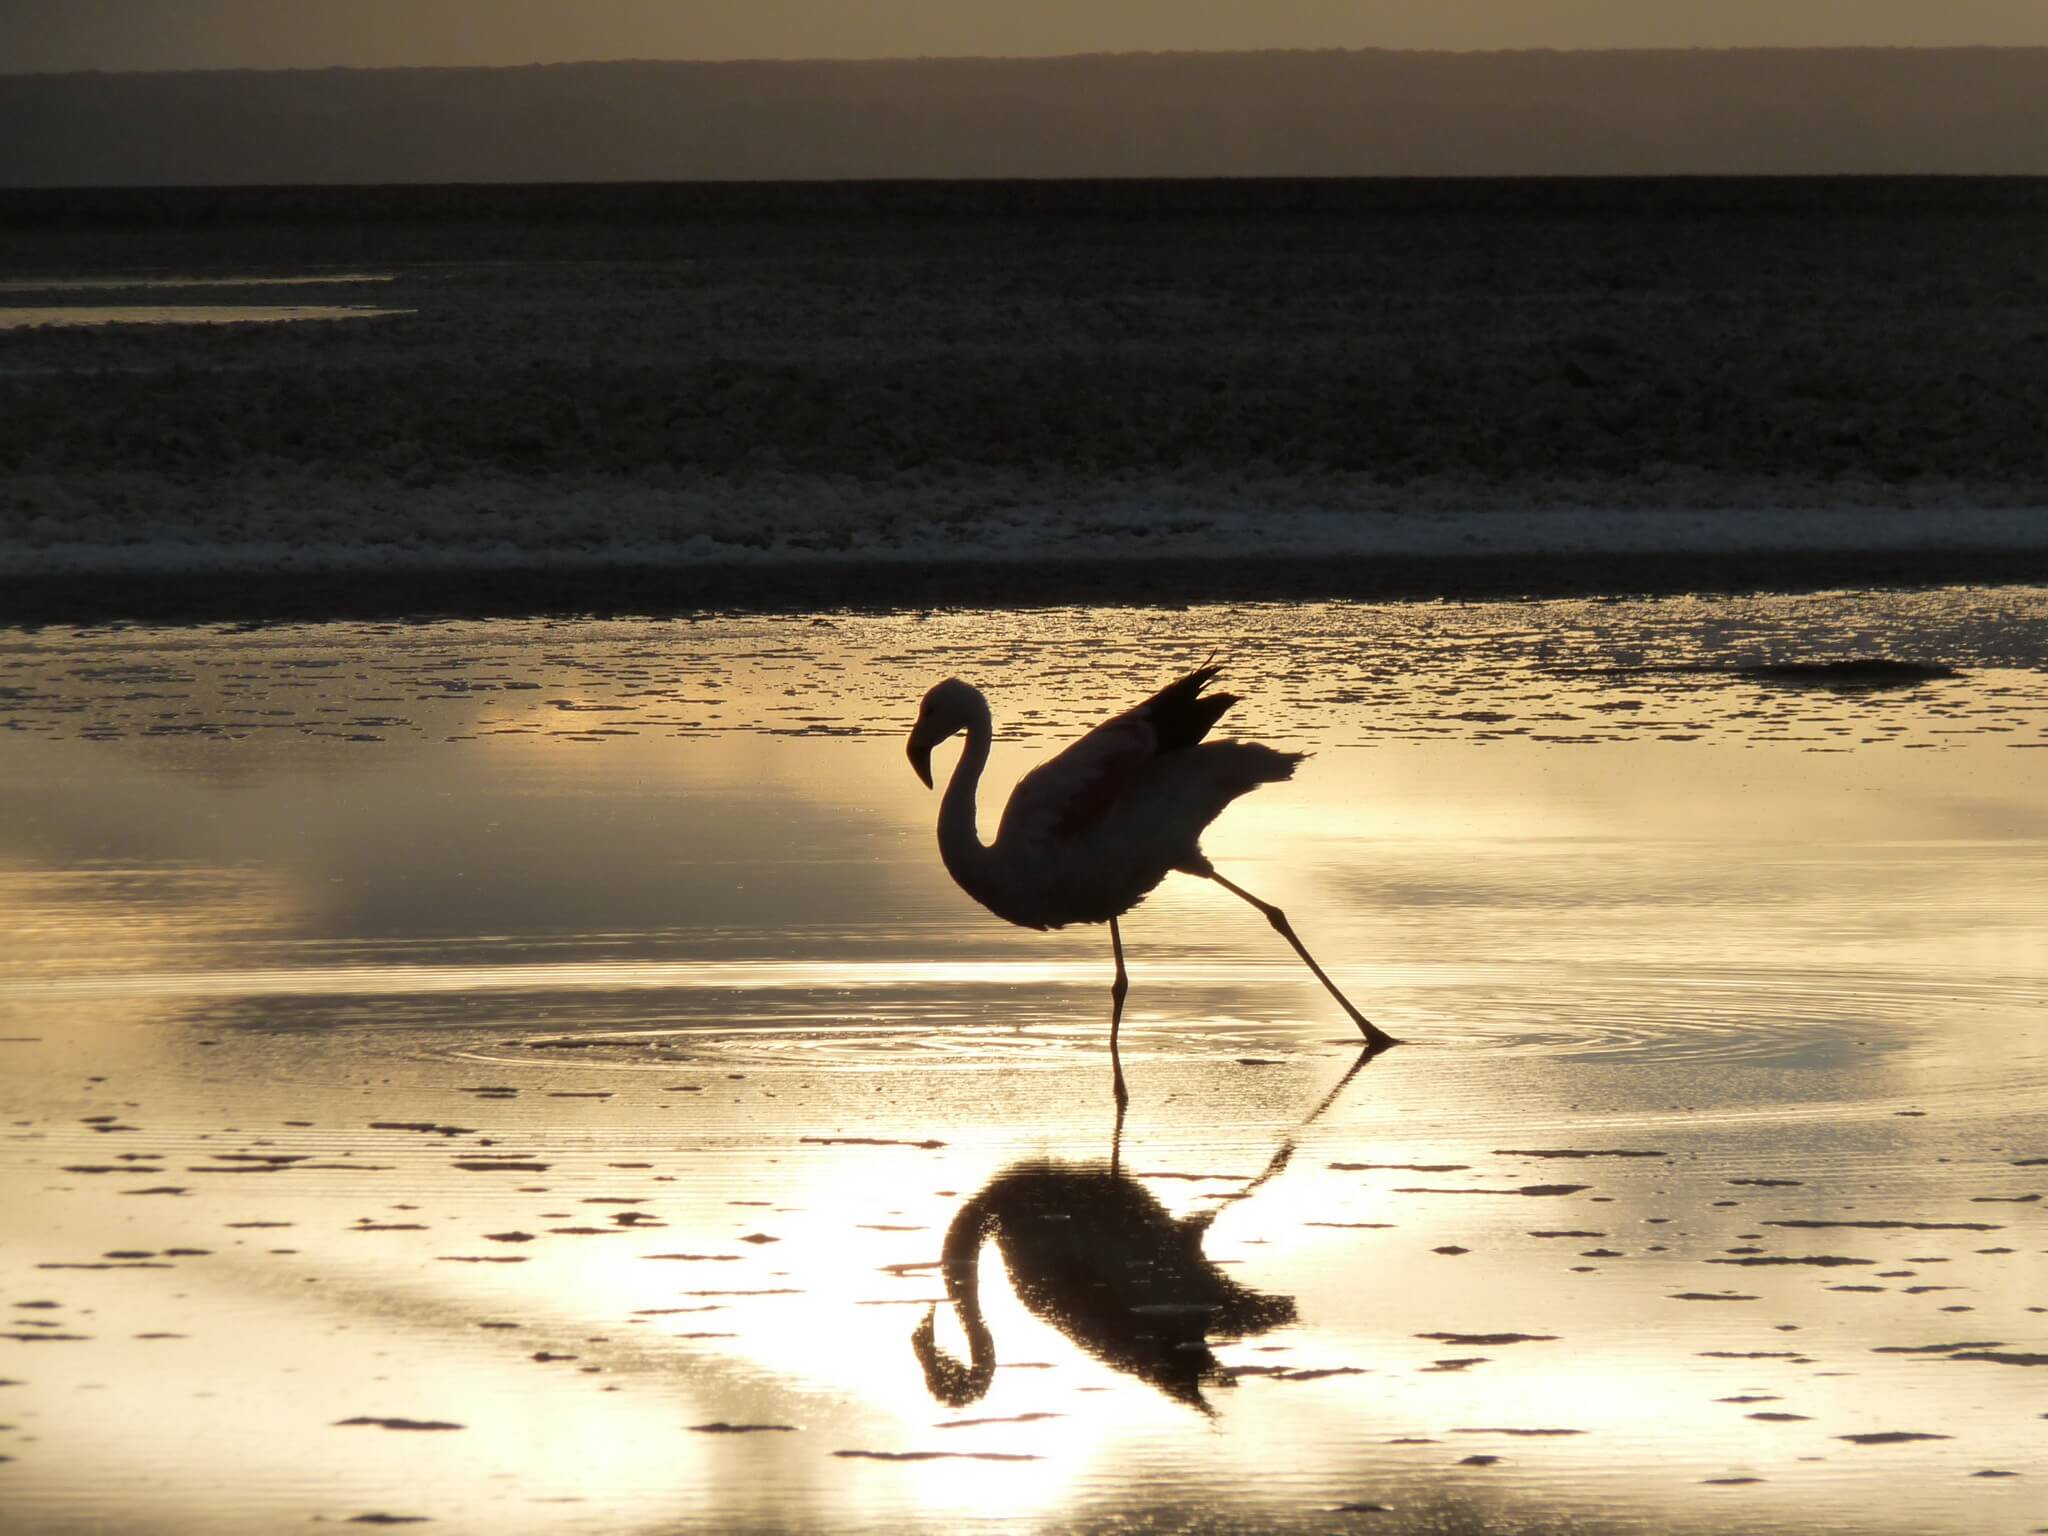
948	707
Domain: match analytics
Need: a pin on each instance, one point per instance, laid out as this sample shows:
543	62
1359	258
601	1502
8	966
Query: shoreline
603	589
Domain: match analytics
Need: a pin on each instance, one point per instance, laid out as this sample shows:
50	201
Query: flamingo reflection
1090	1250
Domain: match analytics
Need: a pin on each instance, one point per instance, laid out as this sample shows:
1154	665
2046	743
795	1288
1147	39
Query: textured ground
627	390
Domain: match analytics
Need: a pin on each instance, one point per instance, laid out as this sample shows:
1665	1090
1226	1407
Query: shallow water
71	301
523	1076
32	316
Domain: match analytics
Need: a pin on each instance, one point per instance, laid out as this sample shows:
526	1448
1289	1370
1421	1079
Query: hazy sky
188	34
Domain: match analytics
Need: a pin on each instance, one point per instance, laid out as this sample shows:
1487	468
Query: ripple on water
1778	1019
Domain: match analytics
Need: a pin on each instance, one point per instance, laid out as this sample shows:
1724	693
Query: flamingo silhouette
1087	835
1093	1252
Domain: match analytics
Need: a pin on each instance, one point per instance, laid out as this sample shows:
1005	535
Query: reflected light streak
402	980
26	317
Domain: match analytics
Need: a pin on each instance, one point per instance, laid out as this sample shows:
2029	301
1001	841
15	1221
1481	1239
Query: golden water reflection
649	1106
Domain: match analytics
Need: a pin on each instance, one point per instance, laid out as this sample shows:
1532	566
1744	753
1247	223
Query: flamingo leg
1376	1039
1117	991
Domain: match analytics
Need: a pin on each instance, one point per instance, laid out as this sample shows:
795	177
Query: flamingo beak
919	751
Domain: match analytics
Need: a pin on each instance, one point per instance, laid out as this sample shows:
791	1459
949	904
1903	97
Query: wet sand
535	1077
853	586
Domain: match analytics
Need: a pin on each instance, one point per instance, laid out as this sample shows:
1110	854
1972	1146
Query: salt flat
630	401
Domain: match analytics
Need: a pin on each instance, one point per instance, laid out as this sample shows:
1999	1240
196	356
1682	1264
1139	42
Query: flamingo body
1090	833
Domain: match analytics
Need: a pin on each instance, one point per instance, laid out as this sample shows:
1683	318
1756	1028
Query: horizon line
1046	58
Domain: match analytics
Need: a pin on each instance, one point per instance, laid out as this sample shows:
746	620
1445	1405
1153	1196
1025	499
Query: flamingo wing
1061	800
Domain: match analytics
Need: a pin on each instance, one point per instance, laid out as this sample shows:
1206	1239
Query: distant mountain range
1739	112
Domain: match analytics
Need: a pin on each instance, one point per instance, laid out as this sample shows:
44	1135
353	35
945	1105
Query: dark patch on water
424	1126
787	1290
112	1264
1535	1191
937	1456
1822	1260
695	1258
1573	1152
1857	672
1008	1418
1530	1432
2001	1357
1889	1226
397	1423
1401	1167
106	1168
721	1427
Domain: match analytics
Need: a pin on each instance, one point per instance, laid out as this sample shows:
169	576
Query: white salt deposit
78	525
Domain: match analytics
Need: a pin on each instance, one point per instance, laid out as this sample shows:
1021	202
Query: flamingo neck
948	1379
965	856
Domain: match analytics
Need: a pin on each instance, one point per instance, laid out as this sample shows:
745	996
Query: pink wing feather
1062	798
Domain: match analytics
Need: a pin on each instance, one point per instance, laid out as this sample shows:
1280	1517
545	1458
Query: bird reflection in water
1092	1251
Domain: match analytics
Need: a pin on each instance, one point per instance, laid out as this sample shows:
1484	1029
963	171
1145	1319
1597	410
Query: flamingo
1087	835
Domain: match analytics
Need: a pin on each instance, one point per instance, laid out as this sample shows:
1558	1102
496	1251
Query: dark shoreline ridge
642	591
629	204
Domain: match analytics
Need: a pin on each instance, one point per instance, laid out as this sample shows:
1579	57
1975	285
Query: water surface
524	1077
69	301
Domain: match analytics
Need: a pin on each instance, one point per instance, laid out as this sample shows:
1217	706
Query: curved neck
960	845
947	1379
